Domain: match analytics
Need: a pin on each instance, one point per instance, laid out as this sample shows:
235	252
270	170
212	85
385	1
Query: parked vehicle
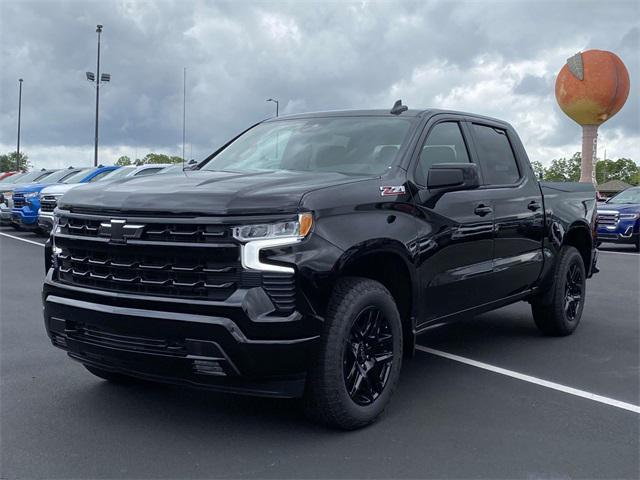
619	218
304	256
6	191
49	196
26	199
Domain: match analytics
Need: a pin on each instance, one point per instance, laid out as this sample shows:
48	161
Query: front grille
19	201
211	275
155	232
177	259
48	203
608	218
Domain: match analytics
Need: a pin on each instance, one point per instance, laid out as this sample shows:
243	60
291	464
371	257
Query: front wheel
359	359
559	313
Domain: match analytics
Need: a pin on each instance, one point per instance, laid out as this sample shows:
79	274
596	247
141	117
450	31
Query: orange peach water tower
591	88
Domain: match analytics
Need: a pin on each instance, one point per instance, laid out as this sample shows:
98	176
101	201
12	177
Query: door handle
483	210
534	205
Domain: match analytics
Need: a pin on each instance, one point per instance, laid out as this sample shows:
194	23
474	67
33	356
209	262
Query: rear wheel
113	377
558	312
358	363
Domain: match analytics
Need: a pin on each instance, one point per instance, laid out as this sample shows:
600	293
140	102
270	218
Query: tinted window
357	145
444	144
496	155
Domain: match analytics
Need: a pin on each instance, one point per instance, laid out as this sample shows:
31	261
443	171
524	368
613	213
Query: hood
619	207
206	192
29	188
58	188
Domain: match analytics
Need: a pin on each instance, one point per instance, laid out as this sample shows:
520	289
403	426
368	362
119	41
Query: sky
493	58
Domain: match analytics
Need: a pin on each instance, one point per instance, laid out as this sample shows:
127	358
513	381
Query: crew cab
619	218
303	257
49	195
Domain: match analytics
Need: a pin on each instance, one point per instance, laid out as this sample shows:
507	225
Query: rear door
514	193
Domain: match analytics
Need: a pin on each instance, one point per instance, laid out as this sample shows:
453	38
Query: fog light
208	367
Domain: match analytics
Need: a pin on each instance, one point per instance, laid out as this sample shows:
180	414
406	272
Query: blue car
26	200
619	218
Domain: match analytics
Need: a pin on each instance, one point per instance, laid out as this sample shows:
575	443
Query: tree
123	161
8	162
160	158
564	170
623	169
538	169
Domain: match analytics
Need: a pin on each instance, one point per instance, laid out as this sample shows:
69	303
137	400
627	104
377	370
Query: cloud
497	59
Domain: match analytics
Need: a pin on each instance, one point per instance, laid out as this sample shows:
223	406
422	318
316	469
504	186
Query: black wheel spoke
368	356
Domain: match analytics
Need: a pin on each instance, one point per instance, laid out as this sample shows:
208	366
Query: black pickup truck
303	257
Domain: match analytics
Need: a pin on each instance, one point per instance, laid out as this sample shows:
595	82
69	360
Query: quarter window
496	155
444	144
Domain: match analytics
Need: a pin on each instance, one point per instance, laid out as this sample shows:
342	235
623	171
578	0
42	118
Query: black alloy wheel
368	356
573	291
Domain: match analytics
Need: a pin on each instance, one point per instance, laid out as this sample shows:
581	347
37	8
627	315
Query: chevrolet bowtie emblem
119	231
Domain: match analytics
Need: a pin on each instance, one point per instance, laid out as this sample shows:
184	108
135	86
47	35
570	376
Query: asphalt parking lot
456	414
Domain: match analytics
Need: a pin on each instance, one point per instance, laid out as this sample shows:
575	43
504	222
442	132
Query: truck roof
383	113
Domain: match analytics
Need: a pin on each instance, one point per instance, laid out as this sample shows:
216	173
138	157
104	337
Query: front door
455	242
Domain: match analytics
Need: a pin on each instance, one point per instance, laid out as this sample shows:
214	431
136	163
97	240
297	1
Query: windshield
12	178
119	173
33	176
172	170
358	145
57	177
76	177
630	195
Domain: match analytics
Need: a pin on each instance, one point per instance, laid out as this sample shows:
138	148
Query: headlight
296	229
7	195
28	196
271	235
629	216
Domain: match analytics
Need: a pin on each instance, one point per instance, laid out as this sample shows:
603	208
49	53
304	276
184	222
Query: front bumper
5	214
215	346
25	216
45	221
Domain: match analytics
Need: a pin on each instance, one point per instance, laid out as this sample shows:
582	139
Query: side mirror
449	177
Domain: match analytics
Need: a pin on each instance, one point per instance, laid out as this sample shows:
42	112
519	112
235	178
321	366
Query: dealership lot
447	419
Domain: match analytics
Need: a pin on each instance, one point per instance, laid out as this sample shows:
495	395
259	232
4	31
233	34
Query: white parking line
619	253
21	239
538	381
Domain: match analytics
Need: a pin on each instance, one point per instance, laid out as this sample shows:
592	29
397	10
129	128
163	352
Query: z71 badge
392	190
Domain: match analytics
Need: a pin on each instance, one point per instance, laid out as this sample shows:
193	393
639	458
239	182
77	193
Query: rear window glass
496	155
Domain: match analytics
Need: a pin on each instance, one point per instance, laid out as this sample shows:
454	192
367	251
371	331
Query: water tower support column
589	149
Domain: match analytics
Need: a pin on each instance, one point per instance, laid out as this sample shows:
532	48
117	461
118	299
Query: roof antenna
398	108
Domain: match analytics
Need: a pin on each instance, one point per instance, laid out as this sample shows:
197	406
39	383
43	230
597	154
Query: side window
496	155
100	175
444	144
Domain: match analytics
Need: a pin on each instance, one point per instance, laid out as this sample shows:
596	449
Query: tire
560	312
15	226
362	323
112	377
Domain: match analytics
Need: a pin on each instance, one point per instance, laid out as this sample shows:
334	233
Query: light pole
98	79
19	119
276	102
